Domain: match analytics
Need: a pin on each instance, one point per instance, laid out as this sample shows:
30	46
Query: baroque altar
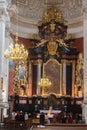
53	49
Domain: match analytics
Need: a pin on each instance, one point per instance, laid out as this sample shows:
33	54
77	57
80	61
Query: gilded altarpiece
53	70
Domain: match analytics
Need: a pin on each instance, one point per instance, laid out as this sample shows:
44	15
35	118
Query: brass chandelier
44	82
16	51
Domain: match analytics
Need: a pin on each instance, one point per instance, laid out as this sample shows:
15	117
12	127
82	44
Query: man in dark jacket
42	119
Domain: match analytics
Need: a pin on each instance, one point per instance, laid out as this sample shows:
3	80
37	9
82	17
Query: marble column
68	78
73	78
39	77
30	79
36	76
64	78
3	62
85	58
6	75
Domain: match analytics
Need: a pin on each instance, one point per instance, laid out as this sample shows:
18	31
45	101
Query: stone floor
12	127
62	127
47	127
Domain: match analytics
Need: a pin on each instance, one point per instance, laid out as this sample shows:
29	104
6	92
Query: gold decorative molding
54	60
79	76
36	62
21	75
51	14
68	62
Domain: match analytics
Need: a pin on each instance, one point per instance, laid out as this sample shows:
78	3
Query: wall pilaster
3	62
85	58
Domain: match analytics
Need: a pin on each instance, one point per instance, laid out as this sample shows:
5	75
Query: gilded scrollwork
79	76
21	75
51	14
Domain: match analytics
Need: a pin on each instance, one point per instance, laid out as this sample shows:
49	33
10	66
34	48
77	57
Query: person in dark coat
42	118
22	116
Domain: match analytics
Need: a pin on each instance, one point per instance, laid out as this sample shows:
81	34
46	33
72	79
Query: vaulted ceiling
30	12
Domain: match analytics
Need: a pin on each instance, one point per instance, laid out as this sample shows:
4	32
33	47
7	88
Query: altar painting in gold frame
53	70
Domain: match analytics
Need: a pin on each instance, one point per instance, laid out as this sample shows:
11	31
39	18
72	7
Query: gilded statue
52	26
52	47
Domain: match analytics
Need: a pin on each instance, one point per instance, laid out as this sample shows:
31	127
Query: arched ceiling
31	11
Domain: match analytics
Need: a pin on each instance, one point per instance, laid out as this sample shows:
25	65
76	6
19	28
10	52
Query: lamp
16	50
44	82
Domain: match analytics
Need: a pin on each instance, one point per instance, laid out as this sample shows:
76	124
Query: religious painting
21	72
53	71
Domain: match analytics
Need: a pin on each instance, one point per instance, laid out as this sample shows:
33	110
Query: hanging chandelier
16	51
44	82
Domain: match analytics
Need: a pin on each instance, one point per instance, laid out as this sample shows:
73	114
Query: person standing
42	119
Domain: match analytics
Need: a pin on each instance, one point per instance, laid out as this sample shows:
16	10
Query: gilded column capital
37	62
68	62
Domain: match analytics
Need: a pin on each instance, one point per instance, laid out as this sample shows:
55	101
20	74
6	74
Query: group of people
69	118
62	117
20	116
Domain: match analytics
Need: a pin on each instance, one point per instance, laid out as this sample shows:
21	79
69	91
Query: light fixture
16	50
44	82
